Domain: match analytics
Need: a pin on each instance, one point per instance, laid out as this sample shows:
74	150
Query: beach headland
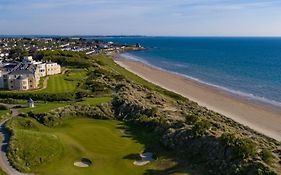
262	118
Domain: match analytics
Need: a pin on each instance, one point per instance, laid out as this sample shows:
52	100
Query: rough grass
2	172
4	114
94	101
29	148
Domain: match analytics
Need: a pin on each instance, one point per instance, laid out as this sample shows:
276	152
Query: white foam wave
248	96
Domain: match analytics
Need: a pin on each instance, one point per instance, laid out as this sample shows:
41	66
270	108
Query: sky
141	17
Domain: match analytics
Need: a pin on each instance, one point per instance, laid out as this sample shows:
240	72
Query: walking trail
4	163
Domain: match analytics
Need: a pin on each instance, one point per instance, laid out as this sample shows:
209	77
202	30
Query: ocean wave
238	93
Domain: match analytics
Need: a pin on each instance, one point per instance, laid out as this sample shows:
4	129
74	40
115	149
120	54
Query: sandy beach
262	118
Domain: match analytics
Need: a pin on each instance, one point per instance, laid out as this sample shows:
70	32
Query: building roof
21	72
21	77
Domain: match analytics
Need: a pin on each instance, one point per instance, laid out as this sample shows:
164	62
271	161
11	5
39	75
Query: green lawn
57	84
99	140
64	82
42	107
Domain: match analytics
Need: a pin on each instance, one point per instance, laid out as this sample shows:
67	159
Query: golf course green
101	141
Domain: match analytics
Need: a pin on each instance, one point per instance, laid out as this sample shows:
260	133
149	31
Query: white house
52	68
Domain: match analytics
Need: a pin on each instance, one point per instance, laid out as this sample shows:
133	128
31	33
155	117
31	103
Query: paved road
4	163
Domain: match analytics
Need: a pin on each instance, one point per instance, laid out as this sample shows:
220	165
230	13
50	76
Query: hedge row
40	96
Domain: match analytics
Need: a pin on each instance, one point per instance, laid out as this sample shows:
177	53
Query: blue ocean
247	66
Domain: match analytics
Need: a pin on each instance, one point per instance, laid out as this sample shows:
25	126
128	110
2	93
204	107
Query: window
24	87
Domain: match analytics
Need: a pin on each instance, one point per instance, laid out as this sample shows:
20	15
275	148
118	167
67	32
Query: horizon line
137	35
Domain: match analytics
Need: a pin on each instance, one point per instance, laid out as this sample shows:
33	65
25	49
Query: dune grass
108	62
94	101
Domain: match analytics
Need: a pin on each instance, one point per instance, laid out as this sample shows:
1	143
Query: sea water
246	66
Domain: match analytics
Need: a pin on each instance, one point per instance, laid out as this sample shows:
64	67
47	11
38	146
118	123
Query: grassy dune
94	101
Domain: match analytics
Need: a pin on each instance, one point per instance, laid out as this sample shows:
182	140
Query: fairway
64	82
101	141
57	83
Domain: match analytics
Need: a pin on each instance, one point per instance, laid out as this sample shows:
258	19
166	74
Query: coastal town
15	48
21	67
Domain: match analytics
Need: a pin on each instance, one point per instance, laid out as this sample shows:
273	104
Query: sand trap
83	163
146	158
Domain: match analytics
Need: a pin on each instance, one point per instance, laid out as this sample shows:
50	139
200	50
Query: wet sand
262	118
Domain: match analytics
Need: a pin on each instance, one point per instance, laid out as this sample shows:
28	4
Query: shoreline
260	117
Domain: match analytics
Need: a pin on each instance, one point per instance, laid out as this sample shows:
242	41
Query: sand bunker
83	163
146	158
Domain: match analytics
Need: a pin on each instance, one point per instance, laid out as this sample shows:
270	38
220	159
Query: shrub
39	96
267	156
255	169
201	128
67	58
242	147
153	111
3	107
191	119
9	101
